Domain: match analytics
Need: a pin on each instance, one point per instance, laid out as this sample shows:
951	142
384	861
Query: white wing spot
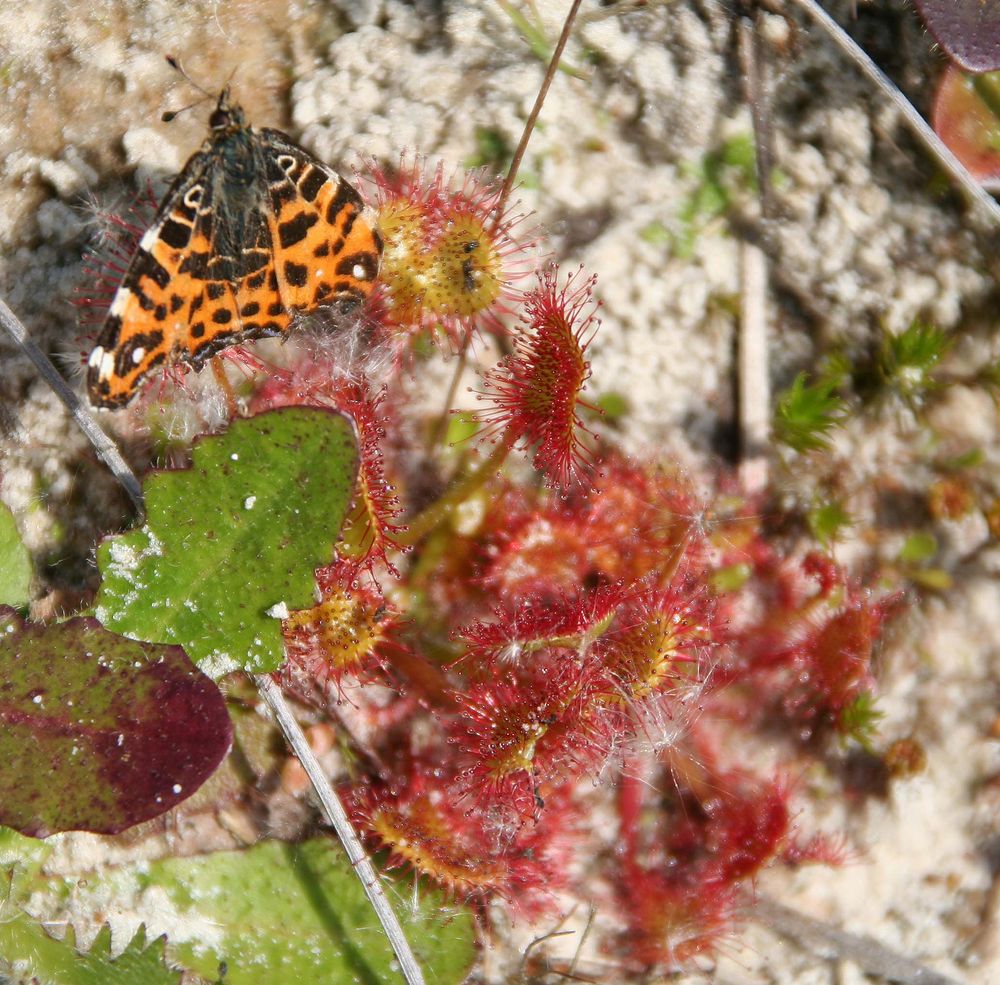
138	355
359	271
95	357
107	365
120	300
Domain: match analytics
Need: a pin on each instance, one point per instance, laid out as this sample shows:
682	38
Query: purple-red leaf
968	30
100	732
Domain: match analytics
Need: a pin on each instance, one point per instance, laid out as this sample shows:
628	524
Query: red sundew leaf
690	838
533	395
418	814
968	30
524	734
100	732
343	635
654	634
636	525
968	124
746	828
819	849
523	627
840	656
670	922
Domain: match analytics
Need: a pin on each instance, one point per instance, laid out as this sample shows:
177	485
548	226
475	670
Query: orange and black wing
229	260
202	279
238	296
326	249
160	293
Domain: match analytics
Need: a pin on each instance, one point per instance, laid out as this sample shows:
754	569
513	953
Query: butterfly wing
197	280
151	308
326	251
238	299
253	231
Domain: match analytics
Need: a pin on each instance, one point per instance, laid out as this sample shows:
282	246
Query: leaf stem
337	816
438	511
529	126
441	424
987	89
106	449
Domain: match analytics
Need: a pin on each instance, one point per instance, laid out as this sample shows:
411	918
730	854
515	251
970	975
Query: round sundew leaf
100	732
968	30
231	543
968	123
15	565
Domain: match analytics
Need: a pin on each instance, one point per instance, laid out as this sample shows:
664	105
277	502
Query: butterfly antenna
205	94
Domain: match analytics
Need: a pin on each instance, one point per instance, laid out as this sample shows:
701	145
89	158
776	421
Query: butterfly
252	232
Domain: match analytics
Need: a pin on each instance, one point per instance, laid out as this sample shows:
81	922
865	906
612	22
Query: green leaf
45	960
28	953
15	565
462	425
422	345
231	541
656	233
492	151
740	153
613	405
859	720
533	32
100	732
807	412
827	520
936	579
967	460
277	913
721	174
918	548
732	578
907	359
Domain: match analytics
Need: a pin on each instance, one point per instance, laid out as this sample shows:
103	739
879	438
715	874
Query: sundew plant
552	682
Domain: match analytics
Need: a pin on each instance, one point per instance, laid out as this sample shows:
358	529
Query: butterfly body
252	232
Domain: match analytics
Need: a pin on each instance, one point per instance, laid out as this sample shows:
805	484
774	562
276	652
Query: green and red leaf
100	732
